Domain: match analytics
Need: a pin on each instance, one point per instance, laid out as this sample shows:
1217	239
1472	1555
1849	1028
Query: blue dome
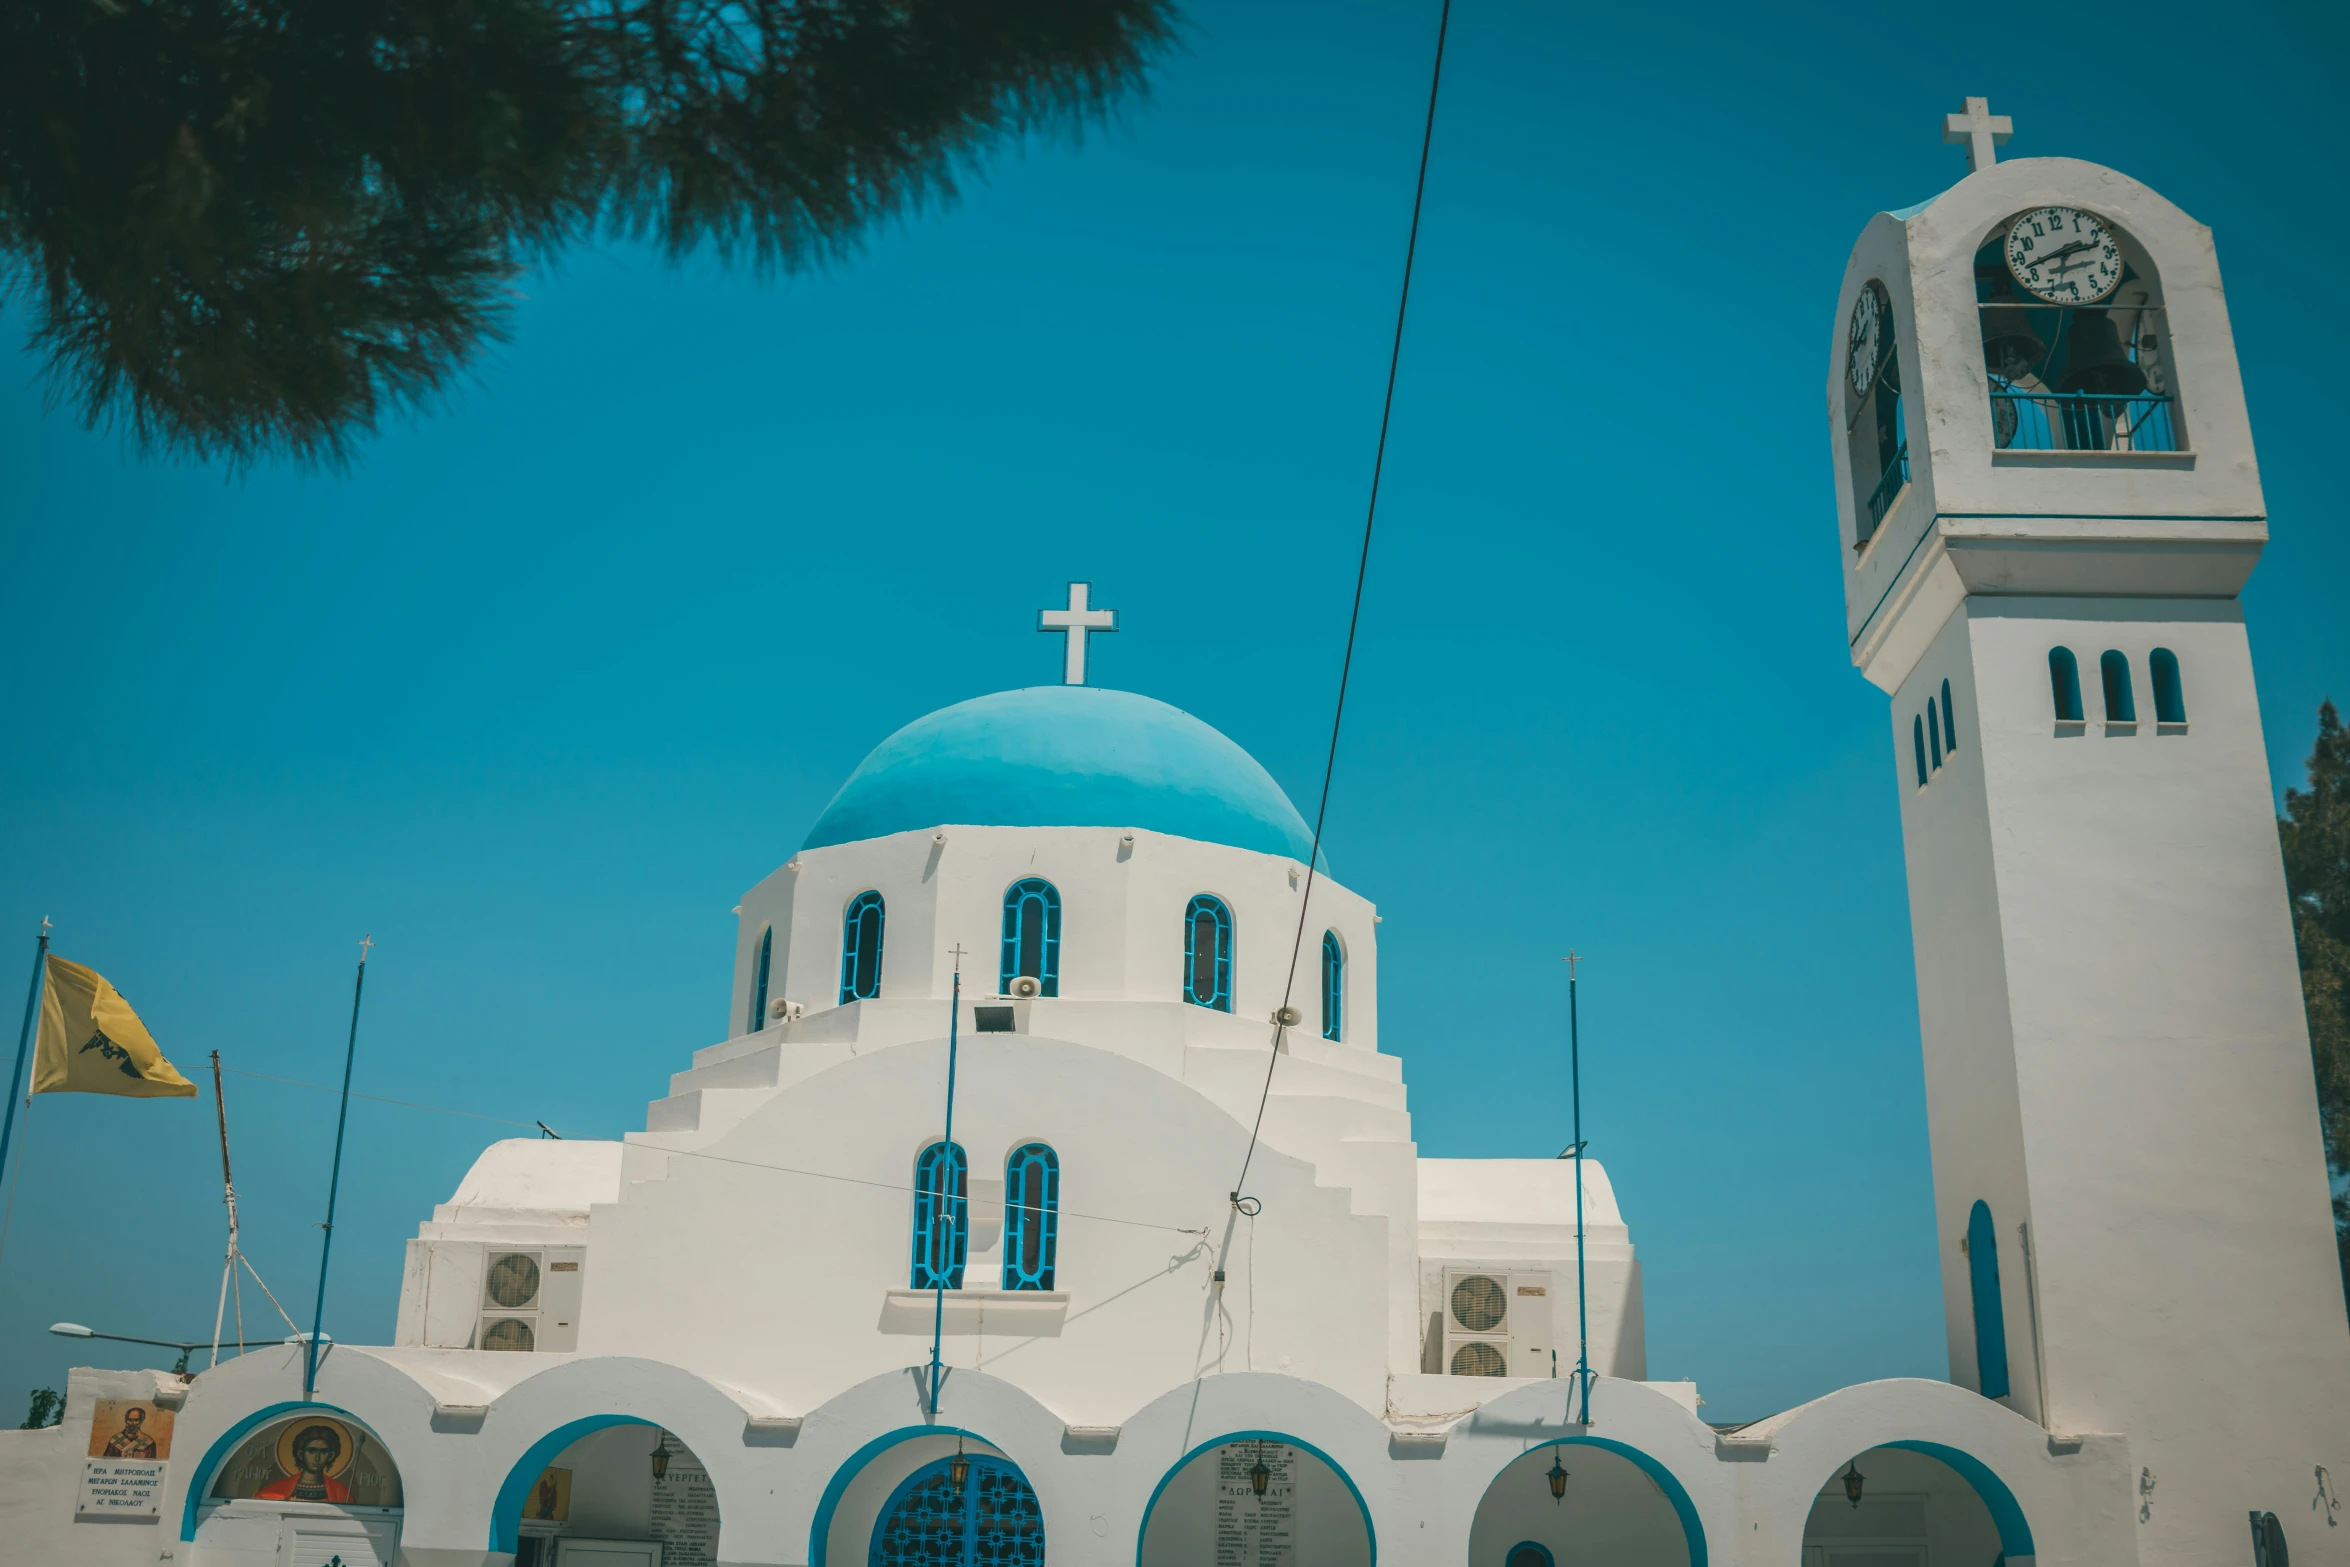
1065	756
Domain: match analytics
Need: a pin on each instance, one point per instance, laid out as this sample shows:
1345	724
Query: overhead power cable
1282	1019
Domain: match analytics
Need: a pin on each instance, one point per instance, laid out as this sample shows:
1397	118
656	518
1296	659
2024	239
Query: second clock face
1864	340
2064	255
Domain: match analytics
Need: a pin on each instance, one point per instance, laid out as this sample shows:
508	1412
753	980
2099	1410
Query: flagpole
945	1198
1582	1300
334	1181
24	1041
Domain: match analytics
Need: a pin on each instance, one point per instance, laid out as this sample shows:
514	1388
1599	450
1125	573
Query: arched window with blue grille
1933	734
1207	953
2170	701
942	1217
1032	936
1032	1216
860	949
1917	738
2064	684
2120	706
1982	1261
1949	724
1333	986
759	980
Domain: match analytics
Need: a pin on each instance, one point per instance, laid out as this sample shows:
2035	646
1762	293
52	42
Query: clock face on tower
2064	256
1865	339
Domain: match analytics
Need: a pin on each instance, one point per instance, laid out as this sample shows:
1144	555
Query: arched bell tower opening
2076	339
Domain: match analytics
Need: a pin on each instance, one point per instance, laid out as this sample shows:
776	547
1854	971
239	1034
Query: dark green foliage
256	226
48	1409
2316	839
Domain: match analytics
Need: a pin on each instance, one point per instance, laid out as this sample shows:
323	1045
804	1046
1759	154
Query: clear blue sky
537	689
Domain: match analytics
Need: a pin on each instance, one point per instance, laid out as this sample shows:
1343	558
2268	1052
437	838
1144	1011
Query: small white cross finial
1075	622
1978	130
365	942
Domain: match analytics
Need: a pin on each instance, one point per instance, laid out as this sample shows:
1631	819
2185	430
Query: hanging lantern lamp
958	1467
1259	1477
1853	1479
1557	1478
661	1456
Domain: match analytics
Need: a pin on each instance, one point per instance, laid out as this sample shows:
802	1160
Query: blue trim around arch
2015	1534
1692	1530
200	1478
1370	1531
854	1465
1510	1556
506	1511
1020	925
936	1466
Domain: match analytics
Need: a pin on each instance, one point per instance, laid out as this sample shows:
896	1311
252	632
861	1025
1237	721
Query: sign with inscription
129	1488
685	1511
1253	1530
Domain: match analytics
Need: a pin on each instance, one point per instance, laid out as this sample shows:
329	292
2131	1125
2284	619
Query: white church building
818	1312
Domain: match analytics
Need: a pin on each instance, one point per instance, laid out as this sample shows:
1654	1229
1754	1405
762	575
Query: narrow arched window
2170	702
1032	1216
1032	936
1917	738
860	949
2119	708
1949	723
1207	953
2064	684
1982	1260
942	1217
1934	734
759	980
1333	986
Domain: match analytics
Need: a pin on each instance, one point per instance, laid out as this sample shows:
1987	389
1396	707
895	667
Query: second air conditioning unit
1496	1324
530	1298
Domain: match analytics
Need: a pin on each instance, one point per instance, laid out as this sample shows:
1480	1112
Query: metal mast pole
1582	1297
334	1181
942	1210
24	1041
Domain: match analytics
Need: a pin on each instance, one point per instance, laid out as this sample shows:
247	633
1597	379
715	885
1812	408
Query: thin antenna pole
335	1181
1582	1295
228	1189
24	1040
943	1203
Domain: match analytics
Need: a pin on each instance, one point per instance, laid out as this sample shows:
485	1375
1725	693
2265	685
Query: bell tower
2048	505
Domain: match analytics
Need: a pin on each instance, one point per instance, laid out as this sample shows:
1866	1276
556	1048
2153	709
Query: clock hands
2061	252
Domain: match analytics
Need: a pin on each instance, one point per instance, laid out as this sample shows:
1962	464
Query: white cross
1076	621
1979	131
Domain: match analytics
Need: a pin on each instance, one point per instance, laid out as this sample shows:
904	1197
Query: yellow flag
93	1043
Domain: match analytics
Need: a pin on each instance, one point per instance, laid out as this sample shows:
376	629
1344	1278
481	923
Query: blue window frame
1934	734
2170	702
1917	738
759	980
942	1217
1207	953
860	949
1982	1260
1032	1216
1032	936
2120	708
1949	723
1333	986
2064	684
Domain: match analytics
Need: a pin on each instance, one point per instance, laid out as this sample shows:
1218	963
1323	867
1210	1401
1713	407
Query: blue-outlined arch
861	930
2170	699
1032	1216
1949	723
1370	1530
1510	1557
1990	1311
2064	684
820	1531
200	1478
1333	987
1934	733
2121	706
1207	952
506	1511
943	1465
1032	936
1692	1528
2015	1532
942	1217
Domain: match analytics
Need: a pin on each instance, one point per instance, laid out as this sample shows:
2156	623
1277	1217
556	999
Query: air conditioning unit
1496	1324
786	1011
530	1298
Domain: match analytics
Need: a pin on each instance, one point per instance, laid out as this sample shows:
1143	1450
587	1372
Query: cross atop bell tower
1075	622
1978	130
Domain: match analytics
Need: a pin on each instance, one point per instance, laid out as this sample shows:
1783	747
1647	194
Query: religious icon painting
311	1458
130	1428
549	1501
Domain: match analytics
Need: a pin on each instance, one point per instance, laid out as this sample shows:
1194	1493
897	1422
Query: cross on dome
1978	130
1075	622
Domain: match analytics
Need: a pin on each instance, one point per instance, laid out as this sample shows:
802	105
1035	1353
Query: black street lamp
661	1456
1557	1478
958	1467
76	1330
1852	1482
1259	1477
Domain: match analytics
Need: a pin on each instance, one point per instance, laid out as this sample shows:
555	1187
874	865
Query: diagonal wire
1355	615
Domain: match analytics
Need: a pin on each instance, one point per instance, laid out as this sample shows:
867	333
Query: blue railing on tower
1888	489
2079	378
